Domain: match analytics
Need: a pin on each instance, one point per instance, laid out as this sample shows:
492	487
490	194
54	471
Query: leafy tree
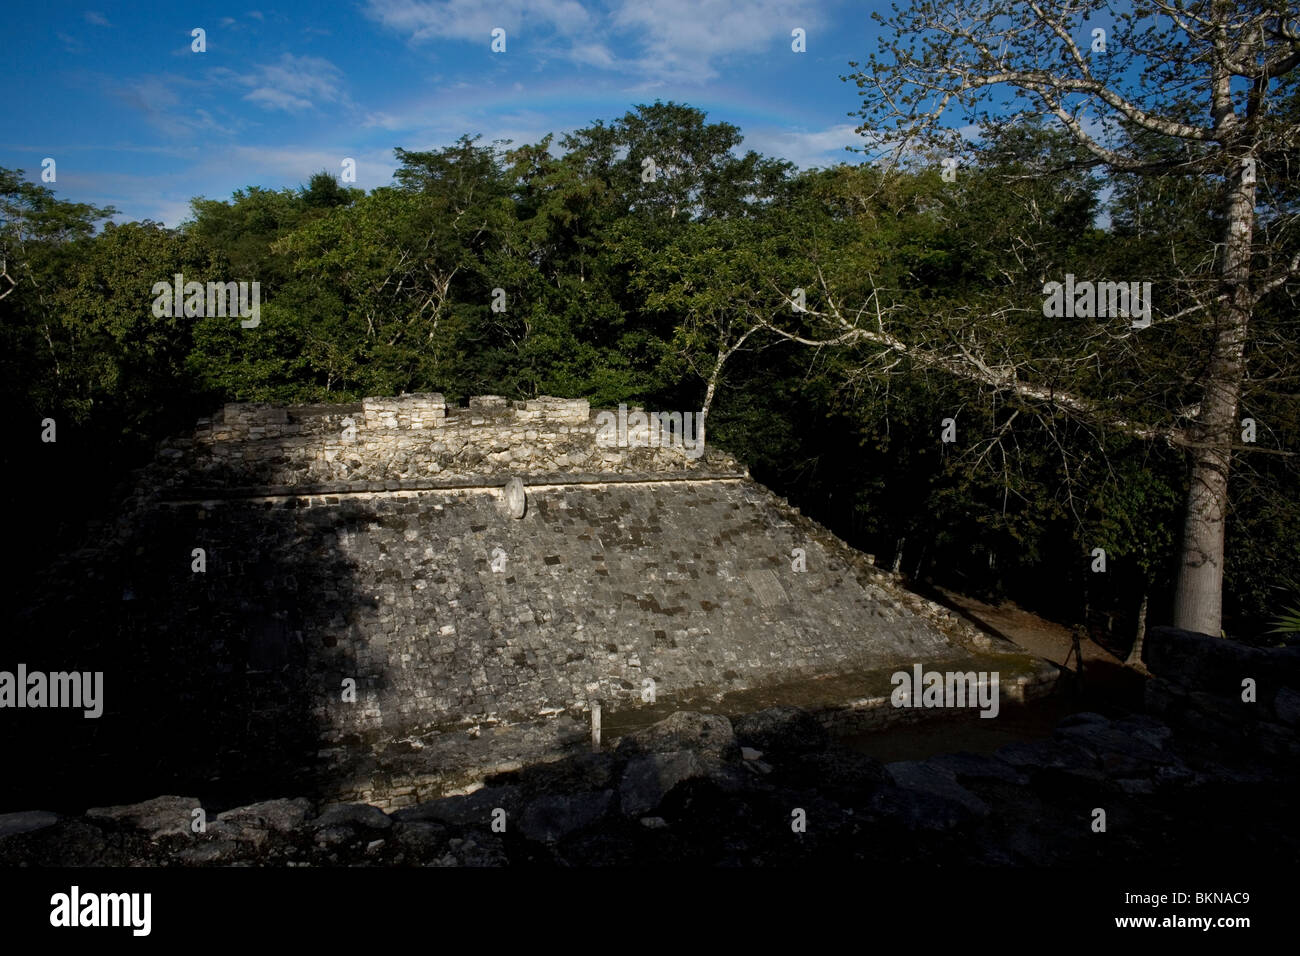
323	191
1206	79
242	230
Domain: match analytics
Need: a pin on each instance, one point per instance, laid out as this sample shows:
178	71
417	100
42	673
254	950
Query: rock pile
700	789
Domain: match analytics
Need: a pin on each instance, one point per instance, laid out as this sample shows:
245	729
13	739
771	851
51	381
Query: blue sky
134	118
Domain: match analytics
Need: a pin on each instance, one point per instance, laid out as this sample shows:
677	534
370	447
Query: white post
595	726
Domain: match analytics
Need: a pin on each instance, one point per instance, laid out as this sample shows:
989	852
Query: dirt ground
1037	635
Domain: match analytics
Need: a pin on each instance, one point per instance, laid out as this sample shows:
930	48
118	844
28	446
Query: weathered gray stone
787	729
847	776
1056	754
26	821
647	780
979	767
352	814
553	817
474	849
210	851
684	730
1107	738
335	835
238	832
1166	699
474	809
1275	740
515	499
1081	719
937	781
278	815
1230	709
420	834
1217	665
167	816
1145	728
918	809
1286	705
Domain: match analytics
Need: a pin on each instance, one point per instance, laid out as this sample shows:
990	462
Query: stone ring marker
516	500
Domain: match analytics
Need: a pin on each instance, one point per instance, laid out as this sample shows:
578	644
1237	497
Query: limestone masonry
279	554
416	437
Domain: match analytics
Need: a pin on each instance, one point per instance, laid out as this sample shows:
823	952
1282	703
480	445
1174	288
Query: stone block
706	733
786	729
647	780
160	817
361	815
281	816
928	777
26	821
1217	665
546	408
553	817
1286	706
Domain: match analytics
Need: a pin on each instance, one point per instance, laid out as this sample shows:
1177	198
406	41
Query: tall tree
1170	88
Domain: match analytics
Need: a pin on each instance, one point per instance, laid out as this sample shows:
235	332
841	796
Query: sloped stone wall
443	608
368	545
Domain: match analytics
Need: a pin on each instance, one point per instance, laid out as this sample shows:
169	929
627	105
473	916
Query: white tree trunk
1135	655
1198	599
709	392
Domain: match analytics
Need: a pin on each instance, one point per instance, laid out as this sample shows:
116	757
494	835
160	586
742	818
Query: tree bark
709	391
1198	598
715	376
1135	655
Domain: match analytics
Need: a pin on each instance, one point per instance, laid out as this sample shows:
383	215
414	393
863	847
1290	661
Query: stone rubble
1173	783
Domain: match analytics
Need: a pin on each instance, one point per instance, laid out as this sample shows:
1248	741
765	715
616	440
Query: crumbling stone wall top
255	421
420	438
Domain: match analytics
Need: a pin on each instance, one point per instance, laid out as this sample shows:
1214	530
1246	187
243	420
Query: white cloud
474	20
669	40
98	19
157	98
807	149
427	124
170	212
160	197
163	193
382	120
293	84
273	99
294	164
683	40
593	54
71	44
166	198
